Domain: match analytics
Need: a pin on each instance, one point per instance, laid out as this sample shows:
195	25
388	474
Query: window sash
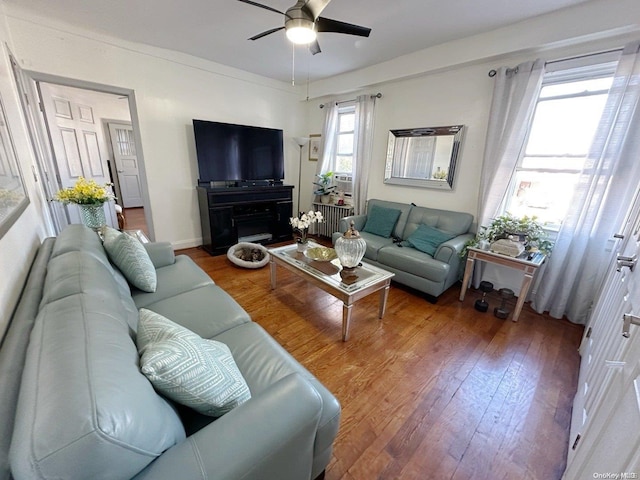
344	153
563	178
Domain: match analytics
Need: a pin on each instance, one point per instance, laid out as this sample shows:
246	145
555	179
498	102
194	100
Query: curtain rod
375	95
493	72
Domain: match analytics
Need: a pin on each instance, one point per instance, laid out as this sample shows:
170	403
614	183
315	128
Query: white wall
170	90
18	246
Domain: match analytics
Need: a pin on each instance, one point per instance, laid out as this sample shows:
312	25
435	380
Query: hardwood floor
134	220
430	391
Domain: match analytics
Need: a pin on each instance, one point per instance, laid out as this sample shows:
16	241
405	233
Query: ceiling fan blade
264	34
314	47
316	6
335	26
266	7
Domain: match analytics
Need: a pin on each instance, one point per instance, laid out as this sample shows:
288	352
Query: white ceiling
218	30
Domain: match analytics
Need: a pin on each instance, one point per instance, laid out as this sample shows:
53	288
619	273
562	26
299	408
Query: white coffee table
330	277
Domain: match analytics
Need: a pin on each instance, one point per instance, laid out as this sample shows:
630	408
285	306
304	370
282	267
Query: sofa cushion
77	272
427	239
207	311
179	277
381	220
192	371
82	390
131	258
449	221
414	262
78	238
374	244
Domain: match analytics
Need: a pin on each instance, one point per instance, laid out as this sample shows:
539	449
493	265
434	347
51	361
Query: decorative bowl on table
321	254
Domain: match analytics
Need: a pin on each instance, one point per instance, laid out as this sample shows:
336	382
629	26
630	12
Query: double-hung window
342	163
566	116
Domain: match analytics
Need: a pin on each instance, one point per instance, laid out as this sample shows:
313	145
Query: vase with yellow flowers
90	198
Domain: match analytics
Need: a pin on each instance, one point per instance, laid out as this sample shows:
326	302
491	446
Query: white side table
523	263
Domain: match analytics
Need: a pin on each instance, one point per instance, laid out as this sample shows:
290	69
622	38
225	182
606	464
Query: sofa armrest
450	250
161	253
270	436
358	220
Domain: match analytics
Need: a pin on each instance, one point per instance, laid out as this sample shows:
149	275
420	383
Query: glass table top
331	272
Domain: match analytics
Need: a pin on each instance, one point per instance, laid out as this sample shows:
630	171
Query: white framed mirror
423	157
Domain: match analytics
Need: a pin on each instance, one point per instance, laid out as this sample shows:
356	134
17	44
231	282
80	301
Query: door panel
62	107
71	155
74	141
93	154
126	161
85	113
606	408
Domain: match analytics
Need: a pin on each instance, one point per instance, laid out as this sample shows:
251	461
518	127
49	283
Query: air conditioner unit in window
343	183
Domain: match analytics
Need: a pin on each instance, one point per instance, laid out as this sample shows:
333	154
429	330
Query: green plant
536	238
324	184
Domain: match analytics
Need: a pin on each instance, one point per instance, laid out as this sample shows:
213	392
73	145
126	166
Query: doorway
69	128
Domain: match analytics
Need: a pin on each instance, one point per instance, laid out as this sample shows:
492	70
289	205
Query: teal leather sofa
74	403
430	274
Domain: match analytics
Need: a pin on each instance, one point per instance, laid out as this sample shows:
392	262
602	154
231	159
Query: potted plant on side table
324	187
525	229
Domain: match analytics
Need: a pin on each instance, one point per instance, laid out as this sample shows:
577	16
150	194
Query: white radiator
332	215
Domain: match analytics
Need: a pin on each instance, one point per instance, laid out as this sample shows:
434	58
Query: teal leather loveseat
431	273
74	403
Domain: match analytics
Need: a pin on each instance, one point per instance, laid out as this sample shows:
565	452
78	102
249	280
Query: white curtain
364	120
328	151
515	93
584	247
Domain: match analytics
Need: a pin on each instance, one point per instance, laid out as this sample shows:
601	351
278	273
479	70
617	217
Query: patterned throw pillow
188	369
131	258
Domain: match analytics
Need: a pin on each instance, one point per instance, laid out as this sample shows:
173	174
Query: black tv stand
256	214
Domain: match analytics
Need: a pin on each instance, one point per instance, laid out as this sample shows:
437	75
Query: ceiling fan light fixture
300	31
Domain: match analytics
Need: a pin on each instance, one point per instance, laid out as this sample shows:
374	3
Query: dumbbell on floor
502	311
481	304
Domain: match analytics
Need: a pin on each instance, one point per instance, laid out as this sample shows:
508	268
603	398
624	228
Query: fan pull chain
293	65
308	75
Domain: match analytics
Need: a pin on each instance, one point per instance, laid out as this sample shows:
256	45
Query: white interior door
74	138
606	416
126	162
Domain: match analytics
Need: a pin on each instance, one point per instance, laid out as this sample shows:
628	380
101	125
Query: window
345	138
567	113
342	163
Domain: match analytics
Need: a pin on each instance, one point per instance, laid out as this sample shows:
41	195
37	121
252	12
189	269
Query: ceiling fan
303	21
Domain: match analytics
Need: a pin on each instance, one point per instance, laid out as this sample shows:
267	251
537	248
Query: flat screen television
236	153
